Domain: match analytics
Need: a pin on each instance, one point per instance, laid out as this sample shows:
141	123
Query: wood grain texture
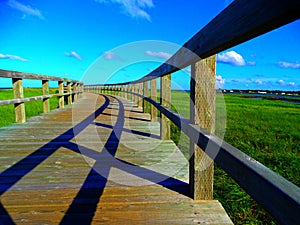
140	103
18	94
61	102
46	101
153	95
46	174
69	90
146	94
202	113
165	100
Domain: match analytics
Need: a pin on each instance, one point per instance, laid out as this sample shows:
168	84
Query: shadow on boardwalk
83	207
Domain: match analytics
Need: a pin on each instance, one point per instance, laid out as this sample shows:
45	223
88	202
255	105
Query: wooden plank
153	95
46	101
69	96
74	87
61	102
146	94
48	178
22	100
165	100
140	103
20	116
202	113
31	76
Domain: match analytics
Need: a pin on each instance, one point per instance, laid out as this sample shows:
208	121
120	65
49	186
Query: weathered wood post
69	90
202	113
19	107
153	95
74	87
165	100
146	94
126	89
137	91
46	101
140	103
61	102
132	90
121	91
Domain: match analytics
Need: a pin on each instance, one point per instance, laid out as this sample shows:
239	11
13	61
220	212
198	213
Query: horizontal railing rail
71	89
242	20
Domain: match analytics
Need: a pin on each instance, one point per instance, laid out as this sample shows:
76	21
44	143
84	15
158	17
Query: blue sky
122	40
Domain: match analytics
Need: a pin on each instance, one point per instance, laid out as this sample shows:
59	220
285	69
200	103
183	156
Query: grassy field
267	130
32	108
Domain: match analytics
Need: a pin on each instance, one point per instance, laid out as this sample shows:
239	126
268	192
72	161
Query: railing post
140	105
146	94
74	90
137	91
126	89
69	90
61	102
46	101
165	100
202	113
153	94
19	107
133	96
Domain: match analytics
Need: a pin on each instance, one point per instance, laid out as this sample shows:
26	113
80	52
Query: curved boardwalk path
99	161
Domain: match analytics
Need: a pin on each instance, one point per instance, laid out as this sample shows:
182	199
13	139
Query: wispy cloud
12	57
220	81
283	83
74	55
161	55
133	8
112	56
289	65
232	58
26	9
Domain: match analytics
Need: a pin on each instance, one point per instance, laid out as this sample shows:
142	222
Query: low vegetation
266	130
32	108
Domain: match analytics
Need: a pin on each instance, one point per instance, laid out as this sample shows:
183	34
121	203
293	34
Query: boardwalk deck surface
99	161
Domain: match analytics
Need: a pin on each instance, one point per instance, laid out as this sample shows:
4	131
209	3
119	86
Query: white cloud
220	81
112	56
251	63
74	55
281	82
12	57
289	65
292	84
259	82
26	9
161	55
232	58
134	8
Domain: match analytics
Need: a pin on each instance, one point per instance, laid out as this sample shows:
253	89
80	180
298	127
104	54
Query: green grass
266	130
32	108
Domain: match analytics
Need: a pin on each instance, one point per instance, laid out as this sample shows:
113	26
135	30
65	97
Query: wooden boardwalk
99	161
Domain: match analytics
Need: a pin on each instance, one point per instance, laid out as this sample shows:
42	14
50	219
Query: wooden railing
72	89
242	20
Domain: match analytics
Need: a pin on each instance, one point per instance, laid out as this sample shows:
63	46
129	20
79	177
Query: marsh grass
32	108
266	130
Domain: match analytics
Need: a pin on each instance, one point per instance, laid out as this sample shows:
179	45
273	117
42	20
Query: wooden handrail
242	20
19	100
